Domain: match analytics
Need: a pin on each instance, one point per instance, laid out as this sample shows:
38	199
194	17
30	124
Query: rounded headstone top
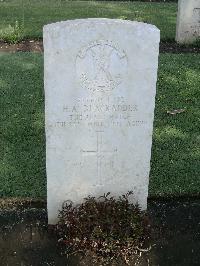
76	22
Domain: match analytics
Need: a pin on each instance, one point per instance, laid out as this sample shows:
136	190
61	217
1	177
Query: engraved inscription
101	66
100	112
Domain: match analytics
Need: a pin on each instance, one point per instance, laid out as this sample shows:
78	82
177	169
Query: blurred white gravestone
100	85
188	21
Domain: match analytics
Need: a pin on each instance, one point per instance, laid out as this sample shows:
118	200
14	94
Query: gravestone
100	85
188	21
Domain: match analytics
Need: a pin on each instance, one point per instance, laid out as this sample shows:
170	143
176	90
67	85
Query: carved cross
99	153
196	12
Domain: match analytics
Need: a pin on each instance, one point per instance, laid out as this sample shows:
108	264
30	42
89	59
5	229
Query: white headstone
100	86
188	21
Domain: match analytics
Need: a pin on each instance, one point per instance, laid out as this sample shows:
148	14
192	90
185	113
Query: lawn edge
15	203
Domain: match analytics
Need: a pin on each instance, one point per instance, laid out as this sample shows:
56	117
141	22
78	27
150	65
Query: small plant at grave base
106	230
12	34
197	43
123	17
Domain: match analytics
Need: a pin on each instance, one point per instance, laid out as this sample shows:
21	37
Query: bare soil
26	239
24	46
173	47
37	47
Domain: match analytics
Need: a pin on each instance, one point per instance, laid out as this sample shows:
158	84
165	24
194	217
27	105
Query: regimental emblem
101	66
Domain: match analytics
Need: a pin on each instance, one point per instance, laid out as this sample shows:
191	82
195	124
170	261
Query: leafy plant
123	17
107	229
12	34
197	42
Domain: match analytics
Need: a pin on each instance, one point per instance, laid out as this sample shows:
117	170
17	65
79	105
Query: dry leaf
174	112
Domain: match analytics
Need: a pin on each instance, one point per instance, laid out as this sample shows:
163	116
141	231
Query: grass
176	144
32	14
22	142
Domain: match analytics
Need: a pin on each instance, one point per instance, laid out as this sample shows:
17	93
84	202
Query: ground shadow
26	240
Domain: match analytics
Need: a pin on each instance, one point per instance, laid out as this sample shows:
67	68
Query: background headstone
100	86
188	21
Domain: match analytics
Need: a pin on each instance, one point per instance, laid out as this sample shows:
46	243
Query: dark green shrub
107	229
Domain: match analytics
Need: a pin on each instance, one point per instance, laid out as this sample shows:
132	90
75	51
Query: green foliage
109	229
123	17
12	34
22	140
197	42
176	141
36	14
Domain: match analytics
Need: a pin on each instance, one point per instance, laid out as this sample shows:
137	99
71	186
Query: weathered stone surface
100	86
188	21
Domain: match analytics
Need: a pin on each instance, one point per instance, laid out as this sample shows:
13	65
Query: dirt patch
172	47
37	47
26	239
21	203
24	46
